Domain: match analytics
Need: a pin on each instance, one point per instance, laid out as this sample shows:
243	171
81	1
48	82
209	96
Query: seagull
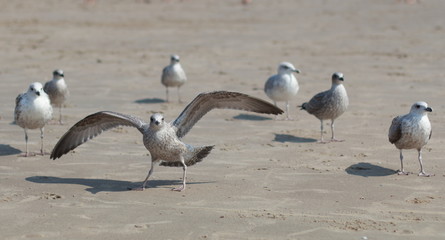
173	76
329	104
57	91
163	139
412	130
282	86
33	110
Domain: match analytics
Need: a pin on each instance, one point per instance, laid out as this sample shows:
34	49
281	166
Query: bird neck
336	85
420	115
155	127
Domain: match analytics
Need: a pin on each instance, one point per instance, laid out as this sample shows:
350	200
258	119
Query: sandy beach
265	178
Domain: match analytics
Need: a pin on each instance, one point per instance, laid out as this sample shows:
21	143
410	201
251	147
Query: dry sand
265	179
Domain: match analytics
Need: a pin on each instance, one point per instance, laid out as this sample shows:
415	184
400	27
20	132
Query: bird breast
174	76
334	103
415	132
57	92
340	97
35	113
164	144
282	87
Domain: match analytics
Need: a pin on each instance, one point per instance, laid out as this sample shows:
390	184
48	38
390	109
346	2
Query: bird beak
157	122
428	109
297	71
61	75
38	93
341	79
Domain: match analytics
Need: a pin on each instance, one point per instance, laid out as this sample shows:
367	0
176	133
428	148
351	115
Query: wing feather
205	102
395	130
317	102
90	127
17	109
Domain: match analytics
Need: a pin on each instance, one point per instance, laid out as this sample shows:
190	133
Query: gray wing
395	130
205	102
47	86
165	72
50	89
270	83
90	127
317	102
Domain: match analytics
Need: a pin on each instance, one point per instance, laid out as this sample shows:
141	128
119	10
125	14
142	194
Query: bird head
156	120
420	108
287	68
36	89
58	73
337	78
174	59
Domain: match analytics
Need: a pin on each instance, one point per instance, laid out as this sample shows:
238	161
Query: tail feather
198	155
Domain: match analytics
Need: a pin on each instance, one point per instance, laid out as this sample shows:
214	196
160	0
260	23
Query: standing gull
329	104
173	76
282	86
412	130
163	139
57	91
33	110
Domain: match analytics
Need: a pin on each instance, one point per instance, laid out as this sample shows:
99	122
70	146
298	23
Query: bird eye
151	119
417	106
162	119
32	89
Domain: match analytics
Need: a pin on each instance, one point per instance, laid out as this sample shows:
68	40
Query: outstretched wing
205	102
90	127
395	130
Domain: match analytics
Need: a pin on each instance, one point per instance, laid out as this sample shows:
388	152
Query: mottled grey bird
173	76
163	139
283	86
57	91
329	104
412	130
33	110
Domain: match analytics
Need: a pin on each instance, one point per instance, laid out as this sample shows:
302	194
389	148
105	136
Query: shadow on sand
106	185
6	150
251	117
150	101
369	170
282	138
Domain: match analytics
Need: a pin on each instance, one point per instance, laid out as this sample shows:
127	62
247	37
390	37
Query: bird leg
166	94
422	172
60	115
321	132
179	96
41	141
401	171
26	145
287	111
184	174
333	139
146	179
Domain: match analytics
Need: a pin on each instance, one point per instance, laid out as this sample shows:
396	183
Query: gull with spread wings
163	139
